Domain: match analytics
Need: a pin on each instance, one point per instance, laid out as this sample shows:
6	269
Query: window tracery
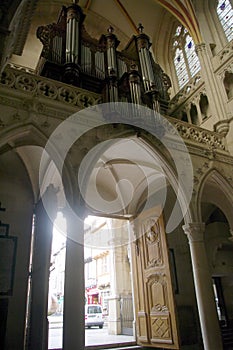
225	15
185	59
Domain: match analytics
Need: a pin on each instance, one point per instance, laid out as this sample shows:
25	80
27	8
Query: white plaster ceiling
118	183
123	178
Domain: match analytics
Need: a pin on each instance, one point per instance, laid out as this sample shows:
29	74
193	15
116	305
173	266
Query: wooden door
156	324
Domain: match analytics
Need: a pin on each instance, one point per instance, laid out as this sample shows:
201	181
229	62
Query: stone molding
16	31
28	10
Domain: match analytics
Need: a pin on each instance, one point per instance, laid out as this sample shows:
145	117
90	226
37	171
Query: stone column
43	235
203	285
199	114
212	88
114	318
187	110
121	288
4	54
74	289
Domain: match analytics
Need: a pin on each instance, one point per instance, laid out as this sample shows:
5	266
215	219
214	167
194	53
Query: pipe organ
71	55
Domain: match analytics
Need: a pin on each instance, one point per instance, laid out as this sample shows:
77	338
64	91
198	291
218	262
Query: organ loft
72	56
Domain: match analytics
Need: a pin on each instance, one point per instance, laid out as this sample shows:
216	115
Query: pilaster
212	88
74	288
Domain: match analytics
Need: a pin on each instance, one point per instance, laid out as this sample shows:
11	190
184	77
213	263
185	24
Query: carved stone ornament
39	86
195	232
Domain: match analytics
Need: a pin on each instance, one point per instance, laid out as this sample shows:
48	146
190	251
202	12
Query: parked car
93	315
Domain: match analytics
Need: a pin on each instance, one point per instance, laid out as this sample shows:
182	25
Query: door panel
153	294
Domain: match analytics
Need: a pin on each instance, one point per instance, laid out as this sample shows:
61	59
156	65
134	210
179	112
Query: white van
93	315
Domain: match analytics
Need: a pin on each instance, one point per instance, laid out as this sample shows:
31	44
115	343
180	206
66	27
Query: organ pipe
143	45
74	19
135	87
111	45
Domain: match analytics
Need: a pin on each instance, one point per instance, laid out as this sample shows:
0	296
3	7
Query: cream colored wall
16	196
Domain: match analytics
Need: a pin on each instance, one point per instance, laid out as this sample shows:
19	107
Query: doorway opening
56	283
108	282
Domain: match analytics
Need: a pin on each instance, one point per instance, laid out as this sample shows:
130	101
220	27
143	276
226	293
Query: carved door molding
156	324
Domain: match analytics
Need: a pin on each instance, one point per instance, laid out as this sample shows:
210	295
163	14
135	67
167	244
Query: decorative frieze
199	135
38	86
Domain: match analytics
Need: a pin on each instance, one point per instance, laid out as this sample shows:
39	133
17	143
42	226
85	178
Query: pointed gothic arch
221	194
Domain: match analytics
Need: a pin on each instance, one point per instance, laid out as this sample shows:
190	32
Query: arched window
185	59
225	15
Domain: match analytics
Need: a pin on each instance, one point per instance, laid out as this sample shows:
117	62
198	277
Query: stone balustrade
22	79
196	134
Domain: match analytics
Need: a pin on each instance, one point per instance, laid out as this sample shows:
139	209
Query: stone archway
216	199
136	159
21	193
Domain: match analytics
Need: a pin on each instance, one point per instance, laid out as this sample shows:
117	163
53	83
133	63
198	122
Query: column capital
194	231
200	47
48	202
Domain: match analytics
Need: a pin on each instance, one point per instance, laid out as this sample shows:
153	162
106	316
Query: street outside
93	336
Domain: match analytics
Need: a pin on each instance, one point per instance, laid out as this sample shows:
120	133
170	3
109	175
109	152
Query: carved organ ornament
70	55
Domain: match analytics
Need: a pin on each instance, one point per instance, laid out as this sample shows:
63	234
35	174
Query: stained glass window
178	30
180	66
193	61
185	59
225	15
